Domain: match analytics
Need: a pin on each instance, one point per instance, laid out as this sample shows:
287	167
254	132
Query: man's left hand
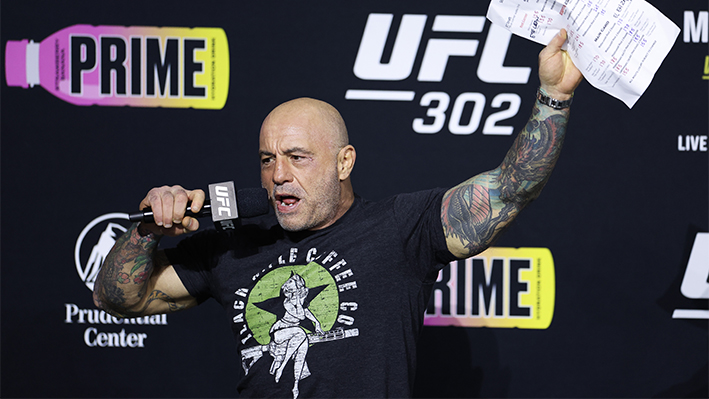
557	73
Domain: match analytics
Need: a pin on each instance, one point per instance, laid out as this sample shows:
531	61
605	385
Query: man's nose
281	172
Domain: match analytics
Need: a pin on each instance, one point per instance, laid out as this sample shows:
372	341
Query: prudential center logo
94	243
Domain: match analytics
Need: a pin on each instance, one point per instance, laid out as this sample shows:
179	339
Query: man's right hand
168	205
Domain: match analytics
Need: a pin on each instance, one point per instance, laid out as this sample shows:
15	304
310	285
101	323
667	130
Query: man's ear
345	161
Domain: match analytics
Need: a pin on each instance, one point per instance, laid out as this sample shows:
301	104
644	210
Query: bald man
306	160
330	287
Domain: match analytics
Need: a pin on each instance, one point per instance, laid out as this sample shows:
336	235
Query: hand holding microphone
174	210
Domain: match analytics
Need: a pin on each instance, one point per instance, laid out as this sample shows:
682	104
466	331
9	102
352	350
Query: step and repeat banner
599	289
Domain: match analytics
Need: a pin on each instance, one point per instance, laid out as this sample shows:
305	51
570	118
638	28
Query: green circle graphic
324	306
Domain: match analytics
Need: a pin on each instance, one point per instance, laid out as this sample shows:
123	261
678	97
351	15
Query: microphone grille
252	202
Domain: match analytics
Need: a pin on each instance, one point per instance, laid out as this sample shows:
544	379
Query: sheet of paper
617	44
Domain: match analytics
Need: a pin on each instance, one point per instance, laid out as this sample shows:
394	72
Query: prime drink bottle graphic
138	66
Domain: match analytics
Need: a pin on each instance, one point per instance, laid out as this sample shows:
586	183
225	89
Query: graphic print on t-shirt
291	308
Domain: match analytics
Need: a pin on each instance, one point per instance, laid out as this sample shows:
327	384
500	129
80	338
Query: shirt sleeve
194	258
418	216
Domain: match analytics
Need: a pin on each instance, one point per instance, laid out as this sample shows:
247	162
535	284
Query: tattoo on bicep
468	215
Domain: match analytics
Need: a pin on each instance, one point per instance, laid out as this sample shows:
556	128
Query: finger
554	47
153	201
167	200
190	224
197	197
181	198
558	40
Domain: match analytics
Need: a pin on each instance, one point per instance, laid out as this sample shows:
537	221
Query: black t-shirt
330	313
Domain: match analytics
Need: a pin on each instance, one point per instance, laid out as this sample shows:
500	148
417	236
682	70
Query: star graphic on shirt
275	306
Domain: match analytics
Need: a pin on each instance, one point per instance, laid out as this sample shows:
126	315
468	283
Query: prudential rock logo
100	329
94	243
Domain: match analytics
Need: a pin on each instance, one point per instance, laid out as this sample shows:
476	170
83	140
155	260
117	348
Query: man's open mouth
285	202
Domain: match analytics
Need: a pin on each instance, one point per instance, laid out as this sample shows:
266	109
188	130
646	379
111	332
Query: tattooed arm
136	278
476	211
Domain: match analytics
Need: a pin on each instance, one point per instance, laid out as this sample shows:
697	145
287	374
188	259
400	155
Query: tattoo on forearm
475	211
126	268
173	305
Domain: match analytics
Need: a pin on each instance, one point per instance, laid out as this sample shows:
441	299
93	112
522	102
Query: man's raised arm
476	211
136	278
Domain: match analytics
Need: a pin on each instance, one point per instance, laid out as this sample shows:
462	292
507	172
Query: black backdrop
620	214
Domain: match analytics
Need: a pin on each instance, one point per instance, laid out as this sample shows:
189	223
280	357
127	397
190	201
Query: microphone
225	205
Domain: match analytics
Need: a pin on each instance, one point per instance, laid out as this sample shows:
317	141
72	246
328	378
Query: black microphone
225	205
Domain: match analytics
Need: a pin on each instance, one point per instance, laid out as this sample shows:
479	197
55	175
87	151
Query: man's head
306	161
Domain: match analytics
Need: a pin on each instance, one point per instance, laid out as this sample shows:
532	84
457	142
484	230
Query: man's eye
266	161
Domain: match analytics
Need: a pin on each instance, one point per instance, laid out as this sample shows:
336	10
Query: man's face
299	170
